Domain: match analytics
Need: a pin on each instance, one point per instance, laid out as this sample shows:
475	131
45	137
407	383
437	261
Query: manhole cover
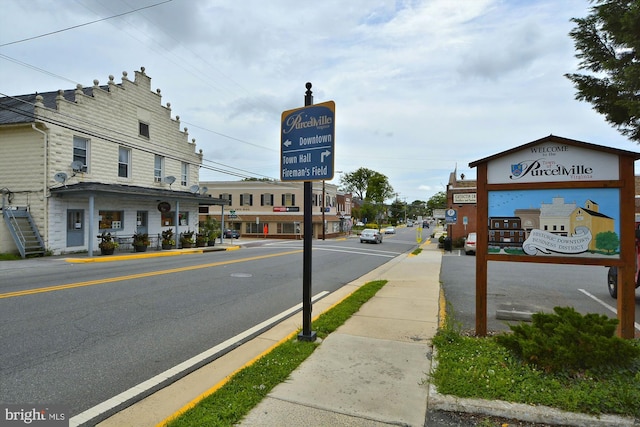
241	275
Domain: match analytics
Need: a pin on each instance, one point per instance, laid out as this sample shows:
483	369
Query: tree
608	42
437	201
363	181
607	241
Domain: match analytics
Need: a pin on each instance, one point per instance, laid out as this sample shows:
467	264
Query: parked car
370	235
390	230
409	223
470	244
231	234
359	224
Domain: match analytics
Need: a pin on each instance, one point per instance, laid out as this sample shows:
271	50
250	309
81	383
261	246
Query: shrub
459	242
567	342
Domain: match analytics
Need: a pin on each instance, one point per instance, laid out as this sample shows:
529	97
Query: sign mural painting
572	222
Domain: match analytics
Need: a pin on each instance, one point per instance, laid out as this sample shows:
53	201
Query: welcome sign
558	200
553	162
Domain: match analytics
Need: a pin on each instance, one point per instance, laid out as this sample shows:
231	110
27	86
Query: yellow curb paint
220	384
442	312
137	276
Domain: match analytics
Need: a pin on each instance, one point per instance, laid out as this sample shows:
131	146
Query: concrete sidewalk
372	371
374	367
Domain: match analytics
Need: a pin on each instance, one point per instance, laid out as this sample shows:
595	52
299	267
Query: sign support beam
307	334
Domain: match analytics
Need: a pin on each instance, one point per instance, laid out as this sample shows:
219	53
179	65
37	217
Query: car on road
470	244
359	224
231	234
409	223
370	235
389	230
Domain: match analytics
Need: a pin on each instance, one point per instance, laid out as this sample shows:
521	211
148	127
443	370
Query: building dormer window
143	129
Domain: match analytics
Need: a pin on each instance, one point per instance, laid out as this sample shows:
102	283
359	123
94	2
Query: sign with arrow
308	143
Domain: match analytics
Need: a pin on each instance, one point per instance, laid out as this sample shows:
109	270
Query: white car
470	244
370	235
390	230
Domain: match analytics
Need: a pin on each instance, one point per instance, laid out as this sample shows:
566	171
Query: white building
75	163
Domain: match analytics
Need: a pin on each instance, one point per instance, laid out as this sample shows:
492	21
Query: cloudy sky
421	87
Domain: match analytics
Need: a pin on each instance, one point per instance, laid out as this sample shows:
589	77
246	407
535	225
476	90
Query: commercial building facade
275	209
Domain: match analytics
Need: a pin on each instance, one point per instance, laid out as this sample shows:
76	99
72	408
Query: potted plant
140	242
212	235
201	240
107	245
167	239
186	240
210	229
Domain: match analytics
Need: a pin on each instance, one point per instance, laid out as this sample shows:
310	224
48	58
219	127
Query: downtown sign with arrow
308	143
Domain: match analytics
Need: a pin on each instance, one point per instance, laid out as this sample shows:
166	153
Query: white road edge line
143	387
604	304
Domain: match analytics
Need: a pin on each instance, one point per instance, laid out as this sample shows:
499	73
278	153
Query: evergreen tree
608	45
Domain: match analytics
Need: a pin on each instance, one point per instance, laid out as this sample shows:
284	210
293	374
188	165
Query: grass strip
475	367
230	403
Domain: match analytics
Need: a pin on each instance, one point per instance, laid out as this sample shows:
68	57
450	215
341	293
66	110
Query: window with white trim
81	151
184	174
124	162
158	166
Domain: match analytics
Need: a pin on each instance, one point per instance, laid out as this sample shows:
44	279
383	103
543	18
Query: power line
236	172
83	25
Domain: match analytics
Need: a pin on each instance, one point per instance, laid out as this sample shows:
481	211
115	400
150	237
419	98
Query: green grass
474	367
230	403
9	257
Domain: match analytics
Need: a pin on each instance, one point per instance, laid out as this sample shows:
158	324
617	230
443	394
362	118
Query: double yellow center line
137	276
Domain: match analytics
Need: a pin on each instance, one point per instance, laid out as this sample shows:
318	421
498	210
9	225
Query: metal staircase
24	231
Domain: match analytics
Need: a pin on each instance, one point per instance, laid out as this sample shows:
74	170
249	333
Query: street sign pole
307	334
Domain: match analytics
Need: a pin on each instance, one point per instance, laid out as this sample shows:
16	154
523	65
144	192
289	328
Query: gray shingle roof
20	108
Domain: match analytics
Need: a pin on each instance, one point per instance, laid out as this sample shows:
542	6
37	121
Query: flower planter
142	248
167	246
108	251
187	245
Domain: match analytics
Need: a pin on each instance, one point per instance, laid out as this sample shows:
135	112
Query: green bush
568	342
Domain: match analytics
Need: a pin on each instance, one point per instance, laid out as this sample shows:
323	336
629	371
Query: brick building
461	196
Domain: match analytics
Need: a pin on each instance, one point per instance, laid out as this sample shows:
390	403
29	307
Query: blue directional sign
308	143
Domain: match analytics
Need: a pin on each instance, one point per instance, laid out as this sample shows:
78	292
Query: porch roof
84	189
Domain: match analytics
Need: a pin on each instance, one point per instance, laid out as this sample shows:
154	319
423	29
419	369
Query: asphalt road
79	334
527	287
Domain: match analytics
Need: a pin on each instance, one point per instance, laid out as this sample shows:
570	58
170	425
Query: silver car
370	235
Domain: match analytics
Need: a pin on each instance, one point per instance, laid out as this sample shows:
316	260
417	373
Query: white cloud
421	86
